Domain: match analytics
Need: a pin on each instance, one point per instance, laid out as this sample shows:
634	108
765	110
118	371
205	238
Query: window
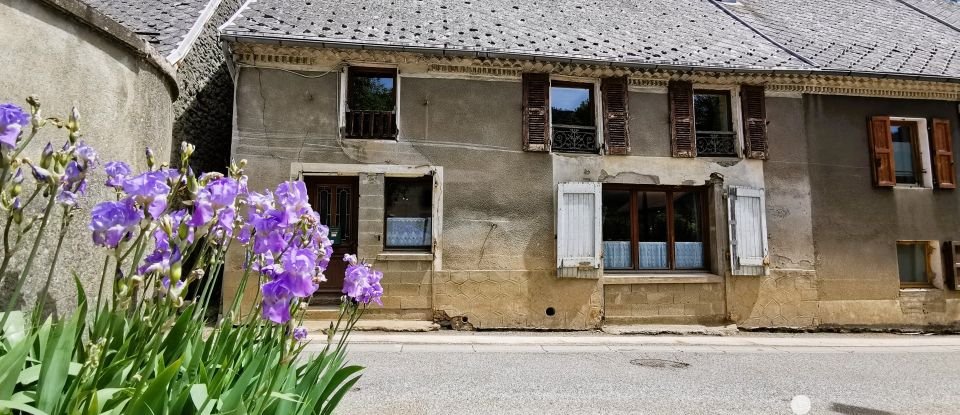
573	117
371	103
408	213
714	124
903	152
906	152
914	263
653	228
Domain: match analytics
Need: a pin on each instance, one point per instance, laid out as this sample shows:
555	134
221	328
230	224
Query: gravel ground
451	382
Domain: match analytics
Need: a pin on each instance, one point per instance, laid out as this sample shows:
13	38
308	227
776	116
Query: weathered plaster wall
125	103
856	225
664	304
787	297
203	112
498	243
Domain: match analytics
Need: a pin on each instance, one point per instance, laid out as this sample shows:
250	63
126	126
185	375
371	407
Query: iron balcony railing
716	143
371	124
574	138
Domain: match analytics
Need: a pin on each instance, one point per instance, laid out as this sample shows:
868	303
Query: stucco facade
70	55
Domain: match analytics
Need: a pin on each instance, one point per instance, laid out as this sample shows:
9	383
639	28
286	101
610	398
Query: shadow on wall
206	123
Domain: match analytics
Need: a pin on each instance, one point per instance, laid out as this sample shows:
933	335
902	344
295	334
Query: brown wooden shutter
881	152
753	104
942	151
616	116
536	111
683	134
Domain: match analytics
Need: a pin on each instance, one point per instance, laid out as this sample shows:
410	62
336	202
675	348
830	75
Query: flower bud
167	225
151	161
46	157
18	176
73	122
186	150
136	280
176	270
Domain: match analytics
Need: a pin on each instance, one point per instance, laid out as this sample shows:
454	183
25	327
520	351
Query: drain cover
659	363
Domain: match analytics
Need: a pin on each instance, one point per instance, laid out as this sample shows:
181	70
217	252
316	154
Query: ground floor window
914	260
654	228
408	208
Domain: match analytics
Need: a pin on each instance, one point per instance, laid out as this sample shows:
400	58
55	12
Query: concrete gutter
232	36
107	26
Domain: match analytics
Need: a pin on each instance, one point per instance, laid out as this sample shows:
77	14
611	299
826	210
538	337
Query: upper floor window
904	152
573	117
408	208
371	103
714	123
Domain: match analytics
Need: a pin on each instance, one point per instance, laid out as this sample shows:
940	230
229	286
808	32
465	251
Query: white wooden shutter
748	231
578	229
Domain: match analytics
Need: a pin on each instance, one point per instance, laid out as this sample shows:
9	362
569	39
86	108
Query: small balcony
574	139
716	143
371	124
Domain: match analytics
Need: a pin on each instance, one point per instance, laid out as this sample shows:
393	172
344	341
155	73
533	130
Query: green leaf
14	330
21	407
32	373
56	364
153	398
199	395
329	406
11	364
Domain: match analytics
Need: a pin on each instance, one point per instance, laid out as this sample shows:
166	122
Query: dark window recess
913	261
371	103
572	117
408	213
906	160
651	228
714	125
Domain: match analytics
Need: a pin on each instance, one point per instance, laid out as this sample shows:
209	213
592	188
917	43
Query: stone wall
69	55
664	304
204	111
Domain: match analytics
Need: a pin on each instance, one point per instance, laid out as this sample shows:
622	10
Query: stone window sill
690	278
405	256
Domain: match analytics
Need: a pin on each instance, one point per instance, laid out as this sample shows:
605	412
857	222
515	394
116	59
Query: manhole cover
659	363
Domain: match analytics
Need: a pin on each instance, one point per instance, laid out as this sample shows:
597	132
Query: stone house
568	164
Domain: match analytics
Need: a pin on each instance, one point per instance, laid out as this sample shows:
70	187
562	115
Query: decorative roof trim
312	58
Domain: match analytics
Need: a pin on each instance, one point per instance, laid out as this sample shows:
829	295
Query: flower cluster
12	121
361	283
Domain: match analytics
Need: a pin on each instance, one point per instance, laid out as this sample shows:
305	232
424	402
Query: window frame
930	252
595	93
736	116
922	155
430	182
669	190
349	72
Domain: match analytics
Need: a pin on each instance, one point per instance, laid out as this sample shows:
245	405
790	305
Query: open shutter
578	229
683	133
616	115
881	152
754	121
942	149
747	218
536	110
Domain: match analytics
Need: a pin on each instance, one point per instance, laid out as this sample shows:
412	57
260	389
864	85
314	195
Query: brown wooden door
336	199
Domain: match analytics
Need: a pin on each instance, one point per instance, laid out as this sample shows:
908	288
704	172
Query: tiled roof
163	23
946	10
858	35
666	32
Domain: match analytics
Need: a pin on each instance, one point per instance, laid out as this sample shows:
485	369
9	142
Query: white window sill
688	278
405	256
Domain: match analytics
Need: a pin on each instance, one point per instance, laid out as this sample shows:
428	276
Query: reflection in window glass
408	211
652	207
714	125
371	91
903	153
571	105
616	230
687	230
912	262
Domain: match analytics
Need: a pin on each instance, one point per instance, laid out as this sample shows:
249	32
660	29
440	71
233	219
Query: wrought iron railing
574	138
371	124
716	143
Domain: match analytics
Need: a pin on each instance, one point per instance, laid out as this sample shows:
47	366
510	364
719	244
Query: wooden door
336	199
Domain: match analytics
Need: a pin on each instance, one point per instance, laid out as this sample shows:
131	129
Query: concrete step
672	329
320	326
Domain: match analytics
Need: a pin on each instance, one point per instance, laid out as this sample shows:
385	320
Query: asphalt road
449	381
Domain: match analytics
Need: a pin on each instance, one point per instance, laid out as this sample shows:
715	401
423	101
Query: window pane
912	261
652	207
372	92
687	230
903	153
408	210
712	111
616	230
570	105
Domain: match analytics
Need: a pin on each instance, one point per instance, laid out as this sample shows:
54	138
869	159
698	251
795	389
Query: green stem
42	298
103	278
29	264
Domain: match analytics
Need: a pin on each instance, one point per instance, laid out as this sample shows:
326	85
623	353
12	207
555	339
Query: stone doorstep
672	329
401	326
